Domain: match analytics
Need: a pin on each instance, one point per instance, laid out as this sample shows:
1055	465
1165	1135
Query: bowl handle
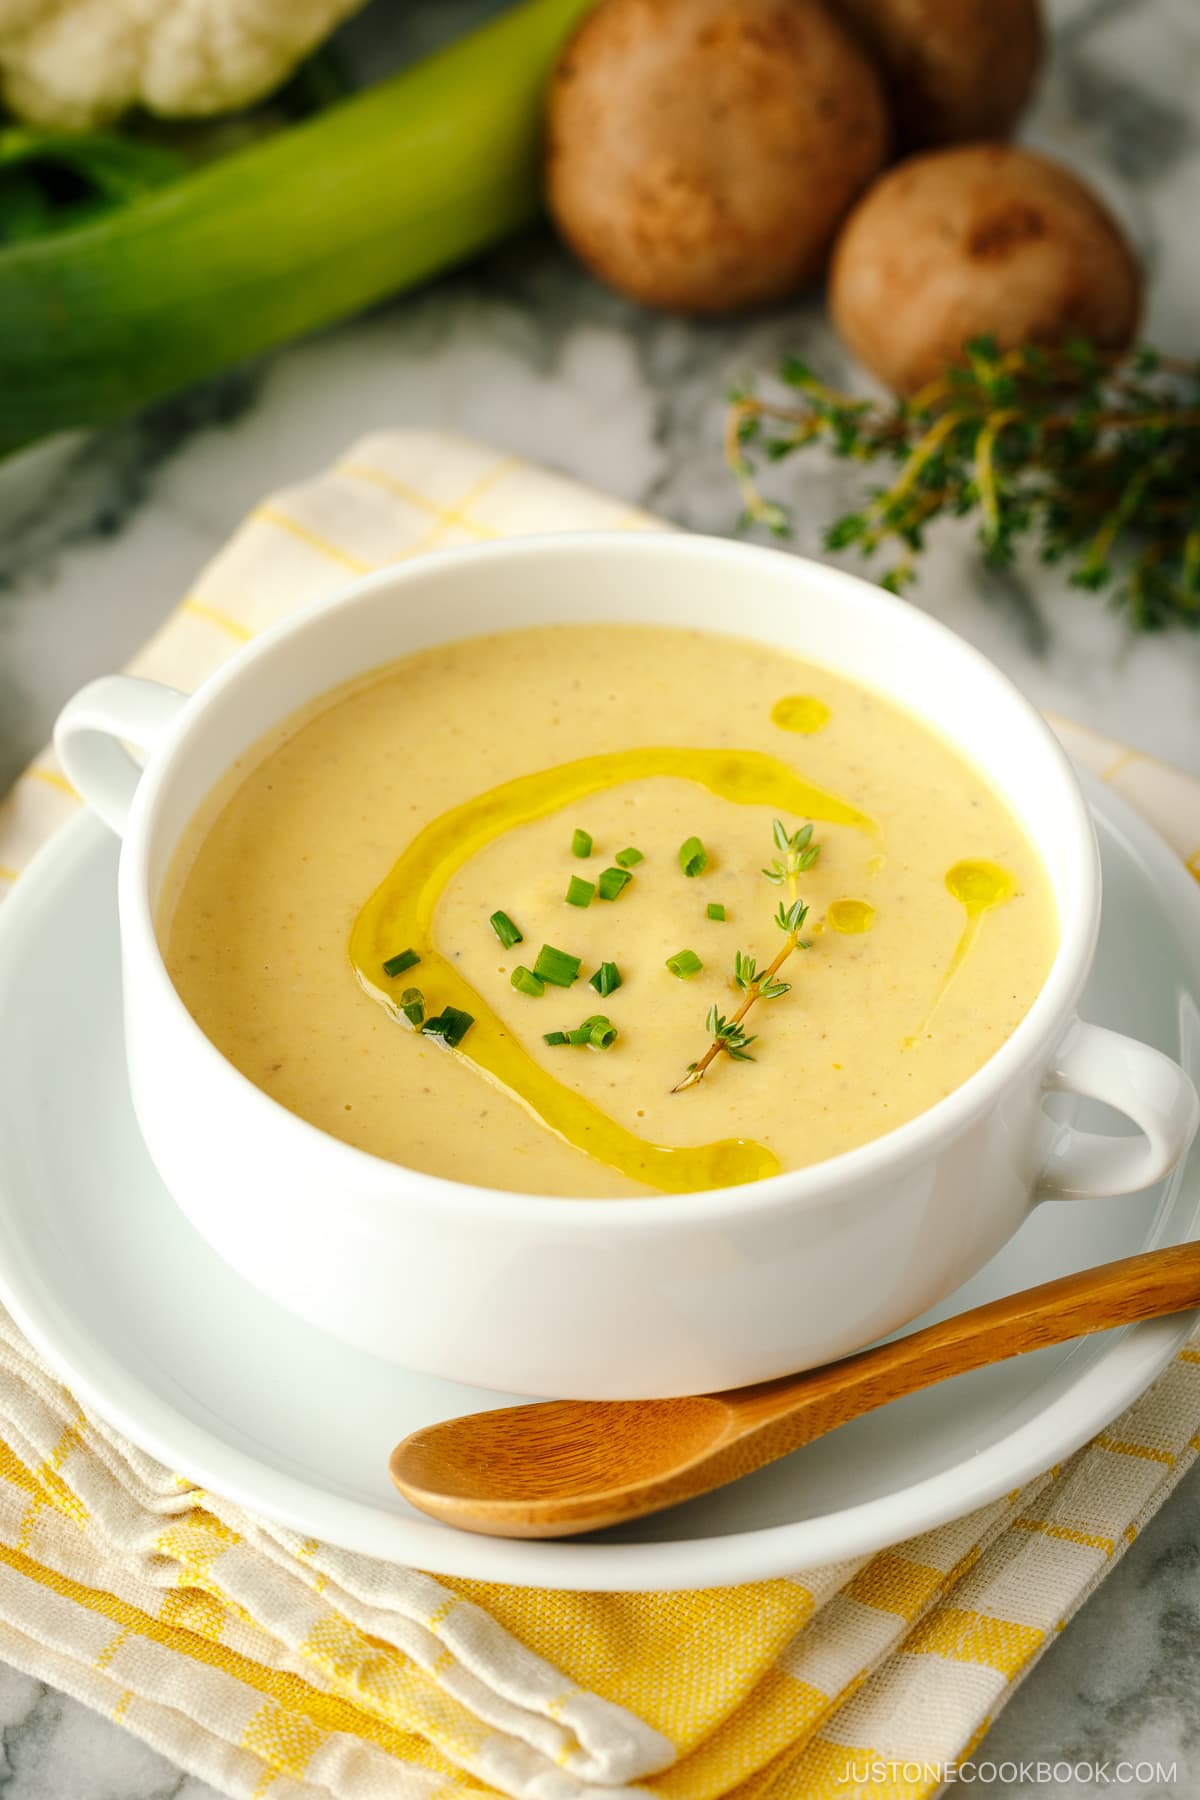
93	730
1138	1081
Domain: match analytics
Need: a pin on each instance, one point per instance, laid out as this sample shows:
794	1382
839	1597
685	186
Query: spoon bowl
561	1453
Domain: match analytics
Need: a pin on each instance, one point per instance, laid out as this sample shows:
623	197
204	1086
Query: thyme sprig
1094	457
727	1036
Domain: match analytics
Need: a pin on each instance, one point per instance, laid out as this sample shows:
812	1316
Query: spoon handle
1118	1293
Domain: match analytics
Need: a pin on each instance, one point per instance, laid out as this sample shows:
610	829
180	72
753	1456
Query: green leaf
53	180
796	372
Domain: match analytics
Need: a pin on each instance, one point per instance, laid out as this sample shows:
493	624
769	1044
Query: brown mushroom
701	153
956	70
981	239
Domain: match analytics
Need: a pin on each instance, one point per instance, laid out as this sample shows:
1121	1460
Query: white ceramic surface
152	1329
671	1293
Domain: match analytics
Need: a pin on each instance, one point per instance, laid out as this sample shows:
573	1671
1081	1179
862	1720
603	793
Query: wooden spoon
558	1467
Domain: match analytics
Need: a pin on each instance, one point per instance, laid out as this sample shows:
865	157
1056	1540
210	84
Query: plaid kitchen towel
267	1663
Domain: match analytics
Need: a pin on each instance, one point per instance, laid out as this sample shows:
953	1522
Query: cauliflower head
75	63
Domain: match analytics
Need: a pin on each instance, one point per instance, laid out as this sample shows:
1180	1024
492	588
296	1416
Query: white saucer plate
155	1334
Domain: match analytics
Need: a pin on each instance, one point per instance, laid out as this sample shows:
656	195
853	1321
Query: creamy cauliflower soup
606	910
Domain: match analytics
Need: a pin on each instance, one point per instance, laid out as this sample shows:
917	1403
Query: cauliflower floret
75	63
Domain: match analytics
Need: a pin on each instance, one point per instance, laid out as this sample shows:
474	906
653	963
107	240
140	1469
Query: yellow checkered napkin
265	1663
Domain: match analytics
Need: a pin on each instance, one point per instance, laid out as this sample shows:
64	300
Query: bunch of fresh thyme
1095	457
797	853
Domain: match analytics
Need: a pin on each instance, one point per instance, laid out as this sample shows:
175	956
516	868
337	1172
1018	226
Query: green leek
279	238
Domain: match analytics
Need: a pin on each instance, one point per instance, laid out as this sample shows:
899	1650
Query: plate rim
1109	1383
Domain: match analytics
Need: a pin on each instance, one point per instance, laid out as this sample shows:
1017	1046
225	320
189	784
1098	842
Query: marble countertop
99	536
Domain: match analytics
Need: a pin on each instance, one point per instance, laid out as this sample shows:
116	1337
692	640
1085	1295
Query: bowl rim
405	1190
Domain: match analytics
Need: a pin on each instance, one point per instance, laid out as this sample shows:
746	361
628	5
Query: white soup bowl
666	1294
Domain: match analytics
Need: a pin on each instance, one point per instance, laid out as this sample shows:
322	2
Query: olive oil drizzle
850	917
401	910
800	712
978	886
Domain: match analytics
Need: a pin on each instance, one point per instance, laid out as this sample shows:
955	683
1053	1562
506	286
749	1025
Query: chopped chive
412	1005
715	910
526	982
613	882
684	963
579	892
450	1027
505	930
596	1033
396	965
606	980
556	967
629	859
693	857
581	844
